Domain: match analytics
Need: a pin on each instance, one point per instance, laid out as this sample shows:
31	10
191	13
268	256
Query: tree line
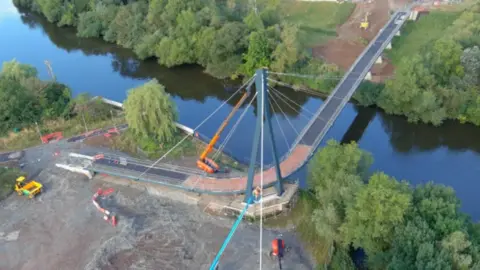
442	81
27	100
398	226
228	38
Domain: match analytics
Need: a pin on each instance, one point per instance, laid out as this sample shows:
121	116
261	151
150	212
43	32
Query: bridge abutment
368	77
397	33
389	46
379	60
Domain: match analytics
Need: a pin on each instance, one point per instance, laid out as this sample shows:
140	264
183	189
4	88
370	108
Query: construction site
69	225
87	207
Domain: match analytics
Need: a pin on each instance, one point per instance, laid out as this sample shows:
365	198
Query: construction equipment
30	189
364	24
206	163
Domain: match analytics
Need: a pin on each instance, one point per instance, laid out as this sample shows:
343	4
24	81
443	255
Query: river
449	154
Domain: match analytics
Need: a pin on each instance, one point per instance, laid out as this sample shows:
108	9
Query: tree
336	174
150	112
443	60
379	207
288	51
253	21
18	106
341	260
17	71
226	49
411	93
258	55
96	22
414	247
127	29
68	15
439	207
457	244
54	99
52	9
471	62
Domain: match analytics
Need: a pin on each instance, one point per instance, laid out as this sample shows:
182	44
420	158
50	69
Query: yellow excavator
206	163
364	24
30	189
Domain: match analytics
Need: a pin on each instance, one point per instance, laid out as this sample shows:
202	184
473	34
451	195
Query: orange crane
206	163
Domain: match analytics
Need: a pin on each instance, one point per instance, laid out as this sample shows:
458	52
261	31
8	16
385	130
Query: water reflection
406	137
186	82
448	154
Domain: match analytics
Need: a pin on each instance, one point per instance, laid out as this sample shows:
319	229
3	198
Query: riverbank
448	154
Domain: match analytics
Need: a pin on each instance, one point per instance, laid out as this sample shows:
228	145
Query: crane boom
205	163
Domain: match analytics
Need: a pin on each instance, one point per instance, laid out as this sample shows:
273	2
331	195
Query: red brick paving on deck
295	160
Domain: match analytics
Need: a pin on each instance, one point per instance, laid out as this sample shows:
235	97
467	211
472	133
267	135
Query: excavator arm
204	162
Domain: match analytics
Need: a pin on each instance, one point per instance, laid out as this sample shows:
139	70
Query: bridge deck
303	149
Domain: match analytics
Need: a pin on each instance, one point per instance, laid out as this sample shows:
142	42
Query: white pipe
120	105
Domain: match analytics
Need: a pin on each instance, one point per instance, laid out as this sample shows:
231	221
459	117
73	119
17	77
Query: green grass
7	181
300	217
416	35
317	20
29	137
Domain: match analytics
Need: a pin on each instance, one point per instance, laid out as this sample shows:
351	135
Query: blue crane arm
229	236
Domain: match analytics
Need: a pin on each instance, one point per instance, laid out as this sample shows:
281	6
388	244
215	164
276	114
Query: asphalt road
327	112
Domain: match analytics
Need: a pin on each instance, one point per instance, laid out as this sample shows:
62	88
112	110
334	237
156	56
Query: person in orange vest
278	249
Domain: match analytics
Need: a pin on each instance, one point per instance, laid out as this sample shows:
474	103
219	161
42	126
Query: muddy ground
61	229
351	40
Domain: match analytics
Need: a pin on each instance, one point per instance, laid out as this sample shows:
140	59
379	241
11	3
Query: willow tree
150	112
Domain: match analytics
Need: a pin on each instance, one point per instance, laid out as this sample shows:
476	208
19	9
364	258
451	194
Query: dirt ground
61	229
352	40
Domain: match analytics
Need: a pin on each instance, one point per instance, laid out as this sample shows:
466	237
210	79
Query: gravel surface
61	229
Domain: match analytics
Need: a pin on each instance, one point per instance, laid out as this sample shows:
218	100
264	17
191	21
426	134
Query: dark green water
449	154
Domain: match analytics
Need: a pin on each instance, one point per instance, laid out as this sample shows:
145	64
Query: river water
449	154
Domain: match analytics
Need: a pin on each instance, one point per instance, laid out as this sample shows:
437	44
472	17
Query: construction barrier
107	215
97	157
56	136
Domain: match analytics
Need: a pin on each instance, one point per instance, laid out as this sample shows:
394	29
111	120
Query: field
415	35
318	22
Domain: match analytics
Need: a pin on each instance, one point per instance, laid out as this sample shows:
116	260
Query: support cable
234	128
321	77
197	127
262	115
280	127
298	75
285	116
291	107
301	89
289	99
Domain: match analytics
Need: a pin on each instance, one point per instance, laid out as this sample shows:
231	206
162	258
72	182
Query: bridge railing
356	84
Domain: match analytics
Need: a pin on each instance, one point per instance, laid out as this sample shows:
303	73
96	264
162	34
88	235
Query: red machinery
52	136
206	163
